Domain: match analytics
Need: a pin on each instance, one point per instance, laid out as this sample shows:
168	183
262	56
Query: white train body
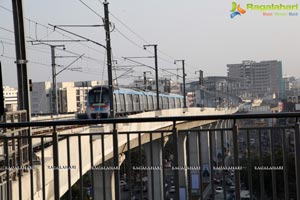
127	101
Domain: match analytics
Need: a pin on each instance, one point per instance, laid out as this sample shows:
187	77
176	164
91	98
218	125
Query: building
260	79
291	86
40	97
10	98
72	96
216	91
164	85
66	92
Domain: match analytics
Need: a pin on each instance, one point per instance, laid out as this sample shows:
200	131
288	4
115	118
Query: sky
201	32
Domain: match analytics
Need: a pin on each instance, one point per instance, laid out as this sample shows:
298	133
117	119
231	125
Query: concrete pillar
218	145
182	162
157	169
205	155
108	172
194	163
99	186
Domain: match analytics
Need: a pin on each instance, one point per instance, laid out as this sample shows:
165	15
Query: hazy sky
201	32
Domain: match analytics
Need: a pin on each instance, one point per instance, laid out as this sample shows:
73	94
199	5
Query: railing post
261	172
55	164
92	165
30	151
7	166
285	165
20	172
116	162
249	165
274	185
297	158
211	161
236	160
80	169
176	174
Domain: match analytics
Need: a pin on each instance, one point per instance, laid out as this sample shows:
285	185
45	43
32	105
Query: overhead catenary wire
90	72
144	40
34	48
37	24
124	35
172	58
91	9
137	35
47	28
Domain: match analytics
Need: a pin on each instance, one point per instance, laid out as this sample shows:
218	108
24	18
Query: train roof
138	92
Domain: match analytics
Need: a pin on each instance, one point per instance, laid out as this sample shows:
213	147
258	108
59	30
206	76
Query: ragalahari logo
236	10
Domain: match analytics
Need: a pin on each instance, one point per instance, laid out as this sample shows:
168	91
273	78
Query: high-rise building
260	79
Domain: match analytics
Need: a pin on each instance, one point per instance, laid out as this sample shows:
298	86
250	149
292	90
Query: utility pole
54	90
156	72
54	99
183	77
109	61
111	101
23	89
201	85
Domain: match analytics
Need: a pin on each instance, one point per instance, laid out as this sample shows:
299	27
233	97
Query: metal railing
240	156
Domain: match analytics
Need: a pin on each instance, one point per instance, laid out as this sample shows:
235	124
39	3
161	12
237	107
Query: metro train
127	101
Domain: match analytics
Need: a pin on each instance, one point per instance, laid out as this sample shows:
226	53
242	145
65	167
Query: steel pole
23	89
109	61
156	77
184	93
145	81
54	90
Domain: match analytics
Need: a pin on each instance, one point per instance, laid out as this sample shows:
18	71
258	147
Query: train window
141	102
122	102
150	102
136	98
165	102
145	105
115	103
178	103
129	103
172	102
160	102
136	102
96	97
154	102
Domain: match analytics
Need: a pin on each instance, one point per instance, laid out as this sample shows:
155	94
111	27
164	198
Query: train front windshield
98	98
